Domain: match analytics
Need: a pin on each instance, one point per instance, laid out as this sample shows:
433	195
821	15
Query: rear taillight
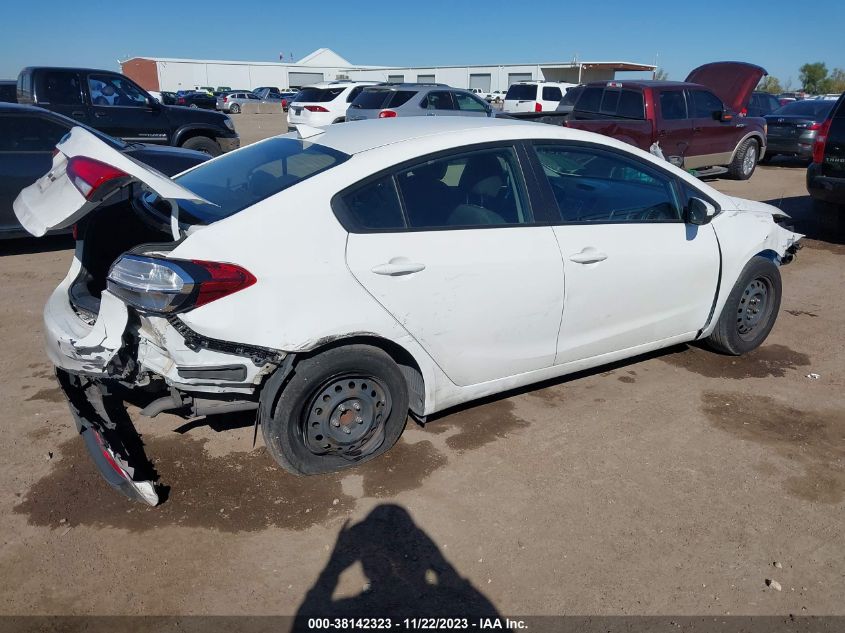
386	114
225	99
814	127
284	103
154	284
313	108
538	107
821	140
181	100
743	112
89	175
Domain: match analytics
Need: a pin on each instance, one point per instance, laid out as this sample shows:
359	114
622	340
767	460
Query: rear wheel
235	109
751	309
203	144
340	408
745	160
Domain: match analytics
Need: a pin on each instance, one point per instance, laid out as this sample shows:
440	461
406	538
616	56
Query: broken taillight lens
89	175
155	284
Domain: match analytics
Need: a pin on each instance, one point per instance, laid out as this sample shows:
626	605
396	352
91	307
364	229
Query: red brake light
180	100
743	112
821	140
224	280
386	114
313	108
815	126
225	99
284	103
538	107
88	175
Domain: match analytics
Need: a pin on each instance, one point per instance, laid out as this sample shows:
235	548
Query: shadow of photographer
408	576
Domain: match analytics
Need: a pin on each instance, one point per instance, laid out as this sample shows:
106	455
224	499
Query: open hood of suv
56	200
733	82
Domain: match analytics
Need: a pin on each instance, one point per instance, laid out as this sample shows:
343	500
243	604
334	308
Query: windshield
522	92
571	96
238	180
813	108
317	95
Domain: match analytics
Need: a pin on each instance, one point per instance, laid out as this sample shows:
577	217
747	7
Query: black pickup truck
114	104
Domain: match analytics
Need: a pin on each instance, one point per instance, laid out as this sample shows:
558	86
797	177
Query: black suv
826	174
114	104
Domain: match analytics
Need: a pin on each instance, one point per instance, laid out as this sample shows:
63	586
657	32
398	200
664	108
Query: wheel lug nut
335	423
356	406
346	430
359	419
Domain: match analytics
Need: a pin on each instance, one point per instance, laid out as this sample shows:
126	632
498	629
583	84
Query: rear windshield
238	180
522	92
371	99
612	102
318	95
814	108
571	96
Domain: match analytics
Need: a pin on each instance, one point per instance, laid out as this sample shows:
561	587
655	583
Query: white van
535	96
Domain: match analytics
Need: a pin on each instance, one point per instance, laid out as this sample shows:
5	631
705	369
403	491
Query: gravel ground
667	484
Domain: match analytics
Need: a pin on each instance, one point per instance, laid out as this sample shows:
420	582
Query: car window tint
631	105
249	95
354	93
114	90
705	103
479	188
522	92
590	99
375	206
60	87
318	95
367	100
401	97
469	103
596	186
437	100
29	134
673	105
609	101
552	93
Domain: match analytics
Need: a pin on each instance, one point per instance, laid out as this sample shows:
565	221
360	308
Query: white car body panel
53	202
528	105
316	286
337	107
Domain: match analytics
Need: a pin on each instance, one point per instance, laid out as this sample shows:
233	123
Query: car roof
642	83
361	136
344	83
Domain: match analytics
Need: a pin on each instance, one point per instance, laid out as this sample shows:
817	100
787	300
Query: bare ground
669	484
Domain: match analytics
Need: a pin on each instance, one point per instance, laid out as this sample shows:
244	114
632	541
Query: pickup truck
114	104
695	123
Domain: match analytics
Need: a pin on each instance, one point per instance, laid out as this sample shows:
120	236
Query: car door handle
589	255
100	115
78	114
696	129
398	266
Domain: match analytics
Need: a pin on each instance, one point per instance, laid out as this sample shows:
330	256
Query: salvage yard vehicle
792	128
462	257
324	103
696	123
403	100
28	138
535	96
114	104
826	173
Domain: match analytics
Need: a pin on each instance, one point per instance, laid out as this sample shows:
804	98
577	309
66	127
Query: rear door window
438	100
552	93
469	103
60	87
673	105
631	105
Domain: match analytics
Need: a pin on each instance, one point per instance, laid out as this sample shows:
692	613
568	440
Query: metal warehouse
161	73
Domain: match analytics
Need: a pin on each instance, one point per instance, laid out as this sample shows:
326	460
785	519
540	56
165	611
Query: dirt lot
669	484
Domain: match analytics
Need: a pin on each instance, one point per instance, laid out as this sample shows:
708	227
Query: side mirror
153	103
699	211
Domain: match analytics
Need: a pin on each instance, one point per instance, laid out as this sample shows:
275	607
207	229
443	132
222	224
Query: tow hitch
111	439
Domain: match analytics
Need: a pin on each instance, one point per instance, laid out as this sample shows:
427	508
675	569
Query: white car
478	92
337	279
535	96
324	103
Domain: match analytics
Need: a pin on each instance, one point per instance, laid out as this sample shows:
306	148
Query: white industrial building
161	73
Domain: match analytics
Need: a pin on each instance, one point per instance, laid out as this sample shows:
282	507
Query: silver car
247	102
388	101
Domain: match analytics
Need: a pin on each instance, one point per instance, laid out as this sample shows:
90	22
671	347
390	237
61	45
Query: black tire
745	160
831	220
310	425
235	108
203	144
751	309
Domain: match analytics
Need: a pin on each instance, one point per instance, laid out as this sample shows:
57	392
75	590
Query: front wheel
751	310
745	160
340	408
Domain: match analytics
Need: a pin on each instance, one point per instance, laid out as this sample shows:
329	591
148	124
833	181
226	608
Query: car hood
761	208
733	82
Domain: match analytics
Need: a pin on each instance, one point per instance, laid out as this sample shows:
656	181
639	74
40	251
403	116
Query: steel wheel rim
750	160
346	417
754	307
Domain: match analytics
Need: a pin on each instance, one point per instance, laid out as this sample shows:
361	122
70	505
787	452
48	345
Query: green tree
837	80
770	84
814	78
660	74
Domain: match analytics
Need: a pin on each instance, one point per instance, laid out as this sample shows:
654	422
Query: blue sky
679	34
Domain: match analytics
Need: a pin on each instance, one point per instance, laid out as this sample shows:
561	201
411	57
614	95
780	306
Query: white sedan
336	280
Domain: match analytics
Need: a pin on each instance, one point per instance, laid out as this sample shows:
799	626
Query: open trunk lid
733	82
54	201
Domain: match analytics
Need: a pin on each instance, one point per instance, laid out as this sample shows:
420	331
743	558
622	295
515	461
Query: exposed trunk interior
105	234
